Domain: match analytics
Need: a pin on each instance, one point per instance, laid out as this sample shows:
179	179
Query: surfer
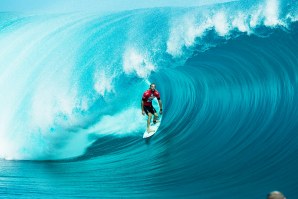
147	107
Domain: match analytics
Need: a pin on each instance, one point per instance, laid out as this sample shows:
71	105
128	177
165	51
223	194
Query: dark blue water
71	124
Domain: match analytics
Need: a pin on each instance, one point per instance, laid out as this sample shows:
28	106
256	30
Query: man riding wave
147	107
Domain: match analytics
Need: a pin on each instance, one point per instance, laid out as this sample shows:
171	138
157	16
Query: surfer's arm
157	95
142	107
144	98
160	105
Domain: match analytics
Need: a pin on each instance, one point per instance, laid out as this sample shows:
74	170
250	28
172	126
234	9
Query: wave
68	79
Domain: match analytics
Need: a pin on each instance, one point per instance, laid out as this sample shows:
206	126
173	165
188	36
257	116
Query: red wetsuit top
148	96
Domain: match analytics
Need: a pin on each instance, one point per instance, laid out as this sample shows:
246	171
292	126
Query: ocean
70	107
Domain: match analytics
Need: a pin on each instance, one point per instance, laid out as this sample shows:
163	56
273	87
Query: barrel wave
71	87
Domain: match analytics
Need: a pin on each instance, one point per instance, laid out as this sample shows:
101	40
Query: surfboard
153	127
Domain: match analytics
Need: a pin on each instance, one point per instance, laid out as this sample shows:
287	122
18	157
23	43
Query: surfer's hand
160	112
143	112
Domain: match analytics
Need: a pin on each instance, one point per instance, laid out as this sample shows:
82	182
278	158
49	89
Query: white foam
175	41
239	22
103	82
203	27
221	24
292	18
184	32
38	97
255	17
129	121
178	38
51	100
190	32
271	13
136	63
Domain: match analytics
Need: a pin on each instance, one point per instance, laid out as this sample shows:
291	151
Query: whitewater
71	87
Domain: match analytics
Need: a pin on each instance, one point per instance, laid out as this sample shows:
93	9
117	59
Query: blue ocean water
71	84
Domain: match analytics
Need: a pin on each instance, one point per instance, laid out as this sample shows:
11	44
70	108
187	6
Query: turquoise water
71	85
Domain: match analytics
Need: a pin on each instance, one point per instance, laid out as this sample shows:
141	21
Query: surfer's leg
155	118
148	122
153	111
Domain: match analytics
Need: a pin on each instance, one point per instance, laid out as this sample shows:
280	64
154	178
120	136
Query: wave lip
193	27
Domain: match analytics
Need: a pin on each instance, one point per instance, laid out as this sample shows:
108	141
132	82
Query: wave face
71	85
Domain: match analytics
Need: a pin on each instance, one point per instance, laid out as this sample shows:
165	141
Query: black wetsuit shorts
149	109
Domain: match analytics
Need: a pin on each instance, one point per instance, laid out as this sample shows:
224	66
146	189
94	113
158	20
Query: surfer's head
152	87
275	195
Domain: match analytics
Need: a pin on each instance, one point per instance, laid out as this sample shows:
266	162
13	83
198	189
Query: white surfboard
153	127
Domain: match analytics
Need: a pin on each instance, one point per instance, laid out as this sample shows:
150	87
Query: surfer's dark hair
152	84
